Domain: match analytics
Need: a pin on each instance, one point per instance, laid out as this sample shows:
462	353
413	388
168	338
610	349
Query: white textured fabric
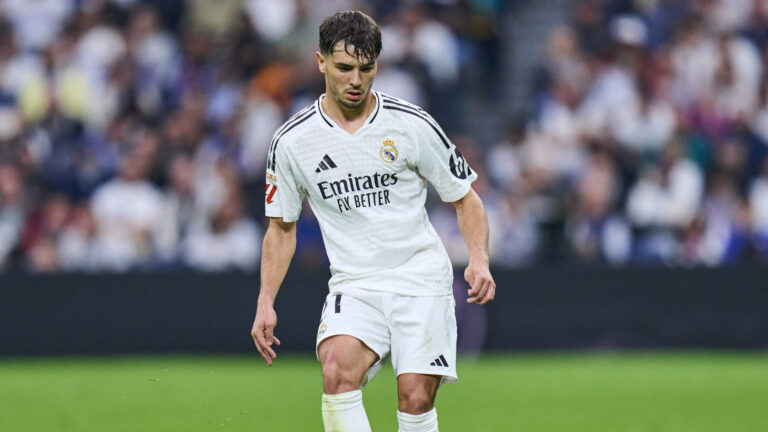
417	332
426	422
368	190
344	412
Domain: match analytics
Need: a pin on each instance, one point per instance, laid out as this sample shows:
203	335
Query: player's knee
417	401
337	378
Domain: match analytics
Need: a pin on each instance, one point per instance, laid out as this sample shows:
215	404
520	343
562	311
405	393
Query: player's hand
483	288
262	333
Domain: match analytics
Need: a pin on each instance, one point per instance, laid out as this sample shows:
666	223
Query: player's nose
356	79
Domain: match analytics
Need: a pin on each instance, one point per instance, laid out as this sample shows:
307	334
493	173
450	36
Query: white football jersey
367	191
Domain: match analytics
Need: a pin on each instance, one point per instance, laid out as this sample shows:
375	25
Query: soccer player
363	159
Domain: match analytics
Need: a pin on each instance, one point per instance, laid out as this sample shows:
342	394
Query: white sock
344	412
426	422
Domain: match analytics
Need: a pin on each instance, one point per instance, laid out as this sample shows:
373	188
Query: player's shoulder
401	109
413	115
296	124
286	134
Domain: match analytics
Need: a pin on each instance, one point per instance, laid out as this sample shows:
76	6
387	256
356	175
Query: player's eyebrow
362	66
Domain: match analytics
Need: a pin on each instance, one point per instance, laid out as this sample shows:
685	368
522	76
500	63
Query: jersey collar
371	117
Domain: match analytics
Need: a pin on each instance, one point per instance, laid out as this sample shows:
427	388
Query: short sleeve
283	193
442	164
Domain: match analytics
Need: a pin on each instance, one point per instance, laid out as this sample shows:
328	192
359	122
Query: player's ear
320	61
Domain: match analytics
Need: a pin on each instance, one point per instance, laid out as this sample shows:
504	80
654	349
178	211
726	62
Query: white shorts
418	332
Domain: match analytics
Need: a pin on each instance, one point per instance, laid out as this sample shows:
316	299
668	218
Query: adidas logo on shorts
325	164
440	361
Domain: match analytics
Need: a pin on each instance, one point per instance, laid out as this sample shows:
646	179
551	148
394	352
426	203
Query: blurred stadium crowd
133	134
647	138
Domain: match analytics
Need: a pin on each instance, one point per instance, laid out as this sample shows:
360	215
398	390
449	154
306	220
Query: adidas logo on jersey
325	164
440	361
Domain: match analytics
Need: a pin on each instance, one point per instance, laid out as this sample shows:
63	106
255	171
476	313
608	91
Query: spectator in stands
156	55
596	232
506	159
664	200
758	121
180	208
429	51
225	240
517	231
619	82
758	204
725	237
648	121
78	247
36	23
128	210
43	229
261	116
13	210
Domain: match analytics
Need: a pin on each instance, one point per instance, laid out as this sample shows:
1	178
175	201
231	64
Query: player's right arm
283	196
276	254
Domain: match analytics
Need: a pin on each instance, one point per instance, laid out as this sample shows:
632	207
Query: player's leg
345	360
416	402
351	341
416	392
424	356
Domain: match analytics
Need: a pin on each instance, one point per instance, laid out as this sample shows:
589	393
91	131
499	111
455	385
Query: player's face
347	78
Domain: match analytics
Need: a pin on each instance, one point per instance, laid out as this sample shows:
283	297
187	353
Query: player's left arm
473	224
439	161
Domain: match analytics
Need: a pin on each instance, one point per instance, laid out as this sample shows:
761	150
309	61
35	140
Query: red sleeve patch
269	193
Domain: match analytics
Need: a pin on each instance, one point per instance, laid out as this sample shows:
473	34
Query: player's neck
349	119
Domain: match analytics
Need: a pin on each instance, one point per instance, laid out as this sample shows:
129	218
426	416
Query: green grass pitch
545	392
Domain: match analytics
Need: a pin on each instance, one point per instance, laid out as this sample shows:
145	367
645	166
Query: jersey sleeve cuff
457	193
276	214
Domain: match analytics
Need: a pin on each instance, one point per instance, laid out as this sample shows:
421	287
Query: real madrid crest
388	151
322	329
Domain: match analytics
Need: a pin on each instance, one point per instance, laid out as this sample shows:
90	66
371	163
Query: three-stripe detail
456	162
294	121
325	164
440	361
391	103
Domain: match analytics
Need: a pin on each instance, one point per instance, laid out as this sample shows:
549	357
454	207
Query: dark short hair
354	28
